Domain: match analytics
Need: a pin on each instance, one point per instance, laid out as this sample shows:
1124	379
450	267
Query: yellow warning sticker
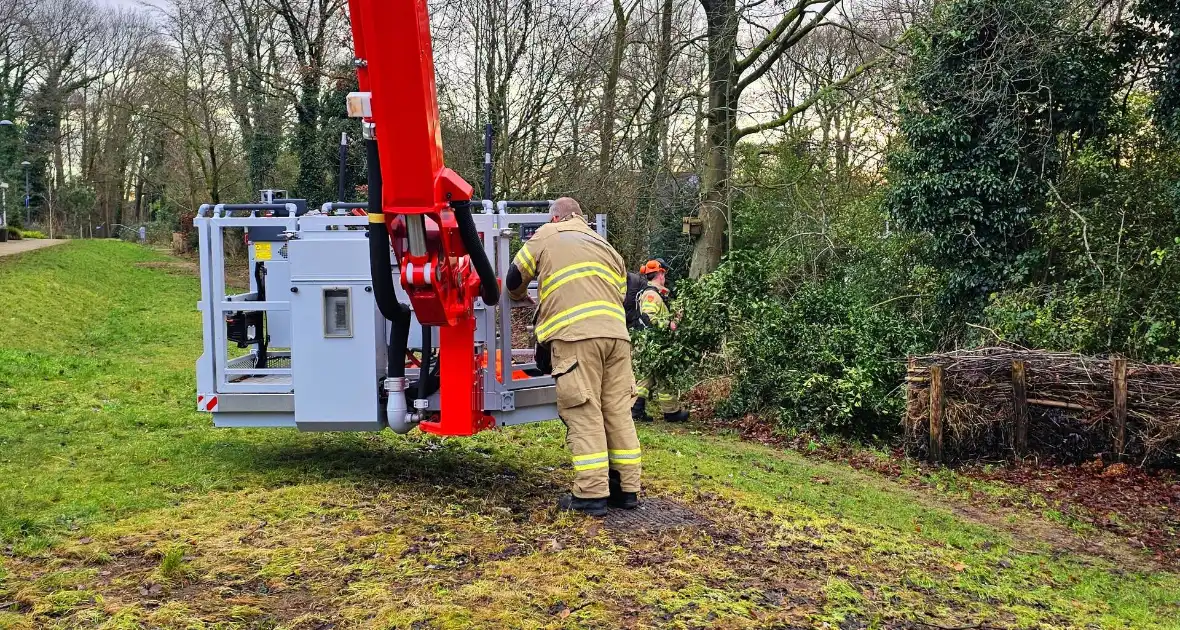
261	251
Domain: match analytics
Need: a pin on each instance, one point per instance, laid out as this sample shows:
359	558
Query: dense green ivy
820	355
995	92
1111	281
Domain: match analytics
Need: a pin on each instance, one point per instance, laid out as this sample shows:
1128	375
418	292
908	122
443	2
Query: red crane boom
423	202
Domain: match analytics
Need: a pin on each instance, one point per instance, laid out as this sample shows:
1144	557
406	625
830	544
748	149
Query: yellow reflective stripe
553	286
623	456
578	313
651	307
525	261
576	267
591	461
376	217
573	320
567	273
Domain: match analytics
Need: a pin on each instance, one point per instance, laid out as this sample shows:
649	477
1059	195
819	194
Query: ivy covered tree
1162	34
996	93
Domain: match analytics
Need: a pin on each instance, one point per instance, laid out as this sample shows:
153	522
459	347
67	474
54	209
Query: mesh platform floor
265	379
655	514
278	362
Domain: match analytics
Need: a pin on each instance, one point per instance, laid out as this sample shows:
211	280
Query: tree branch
809	101
790	40
794	15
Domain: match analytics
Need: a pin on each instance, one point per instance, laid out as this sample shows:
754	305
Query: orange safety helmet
654	266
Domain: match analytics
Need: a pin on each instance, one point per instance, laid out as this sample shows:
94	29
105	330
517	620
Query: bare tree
610	88
195	94
252	62
736	65
109	114
312	30
61	34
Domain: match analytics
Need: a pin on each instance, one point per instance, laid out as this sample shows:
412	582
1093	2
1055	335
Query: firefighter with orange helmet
653	311
582	281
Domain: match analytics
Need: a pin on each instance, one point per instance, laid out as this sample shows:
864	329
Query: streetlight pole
3	212
4	199
28	219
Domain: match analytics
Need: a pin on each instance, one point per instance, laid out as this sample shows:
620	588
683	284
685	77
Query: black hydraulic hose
399	340
424	373
262	360
489	286
379	269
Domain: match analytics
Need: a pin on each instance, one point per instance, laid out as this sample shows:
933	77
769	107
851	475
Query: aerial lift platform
347	302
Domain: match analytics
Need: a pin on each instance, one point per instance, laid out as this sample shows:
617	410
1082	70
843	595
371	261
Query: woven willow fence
1002	402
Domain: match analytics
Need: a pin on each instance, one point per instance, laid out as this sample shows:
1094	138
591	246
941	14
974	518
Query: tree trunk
719	136
139	175
610	89
59	163
656	131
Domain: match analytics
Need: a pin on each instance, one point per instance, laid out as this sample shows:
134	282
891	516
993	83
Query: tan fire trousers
595	390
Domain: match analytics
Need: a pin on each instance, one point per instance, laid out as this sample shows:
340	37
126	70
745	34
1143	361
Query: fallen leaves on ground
1138	505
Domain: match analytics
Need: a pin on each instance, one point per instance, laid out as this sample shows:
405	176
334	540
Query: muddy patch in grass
1121	513
436	537
362	555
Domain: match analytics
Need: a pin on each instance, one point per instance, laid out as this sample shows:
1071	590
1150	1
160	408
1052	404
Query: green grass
122	507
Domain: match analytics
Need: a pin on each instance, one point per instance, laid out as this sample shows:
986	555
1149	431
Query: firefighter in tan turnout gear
653	311
581	284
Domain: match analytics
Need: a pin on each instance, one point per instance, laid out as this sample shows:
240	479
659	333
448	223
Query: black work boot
618	498
591	507
639	410
677	416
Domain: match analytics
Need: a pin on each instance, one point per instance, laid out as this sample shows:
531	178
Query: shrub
821	355
32	234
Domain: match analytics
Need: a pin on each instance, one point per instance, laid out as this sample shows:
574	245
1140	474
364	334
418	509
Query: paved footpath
27	245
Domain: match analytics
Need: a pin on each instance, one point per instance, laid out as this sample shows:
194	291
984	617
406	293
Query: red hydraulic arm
395	65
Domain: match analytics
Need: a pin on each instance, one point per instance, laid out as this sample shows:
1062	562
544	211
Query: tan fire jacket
581	282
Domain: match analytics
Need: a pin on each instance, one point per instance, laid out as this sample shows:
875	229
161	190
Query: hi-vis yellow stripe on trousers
622	457
576	314
591	461
582	270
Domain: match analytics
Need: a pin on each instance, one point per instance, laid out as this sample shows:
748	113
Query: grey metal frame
266	397
215	304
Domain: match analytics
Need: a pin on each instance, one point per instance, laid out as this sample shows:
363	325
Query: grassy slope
120	506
